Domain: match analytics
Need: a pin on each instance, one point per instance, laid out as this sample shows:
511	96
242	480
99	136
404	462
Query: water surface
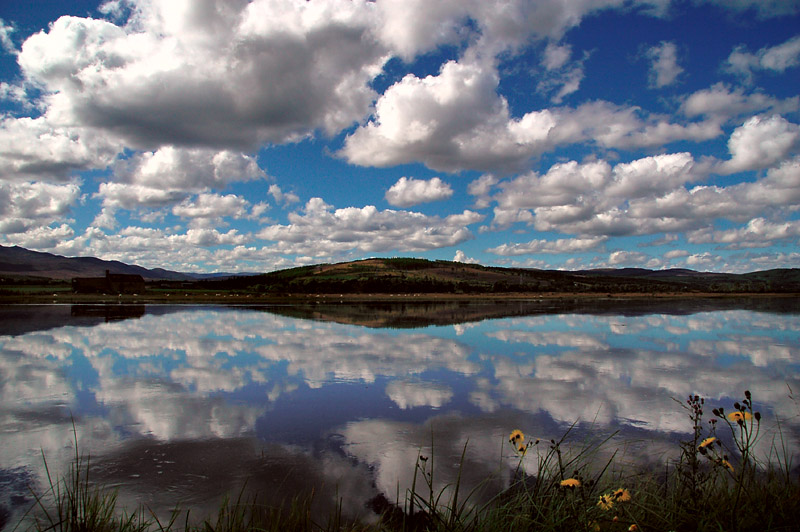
182	404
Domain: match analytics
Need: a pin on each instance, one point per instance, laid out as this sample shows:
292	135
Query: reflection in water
182	404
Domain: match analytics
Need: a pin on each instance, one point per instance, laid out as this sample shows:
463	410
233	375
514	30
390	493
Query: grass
712	486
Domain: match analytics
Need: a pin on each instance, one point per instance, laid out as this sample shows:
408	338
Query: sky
255	135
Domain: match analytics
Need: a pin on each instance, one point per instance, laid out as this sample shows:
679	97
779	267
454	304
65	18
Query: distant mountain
409	276
20	262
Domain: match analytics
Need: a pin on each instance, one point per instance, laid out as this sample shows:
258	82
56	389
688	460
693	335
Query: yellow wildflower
622	495
571	483
516	436
606	502
522	448
707	442
633	528
739	416
727	464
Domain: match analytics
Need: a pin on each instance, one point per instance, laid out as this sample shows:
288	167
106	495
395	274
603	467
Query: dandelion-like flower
622	495
707	441
516	436
727	464
739	416
633	528
606	502
522	448
571	483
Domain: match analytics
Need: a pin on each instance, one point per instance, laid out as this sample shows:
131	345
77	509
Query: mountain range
406	275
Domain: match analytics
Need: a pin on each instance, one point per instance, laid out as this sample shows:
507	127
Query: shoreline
179	298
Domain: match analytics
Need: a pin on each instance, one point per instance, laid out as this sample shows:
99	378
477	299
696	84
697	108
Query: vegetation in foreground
712	486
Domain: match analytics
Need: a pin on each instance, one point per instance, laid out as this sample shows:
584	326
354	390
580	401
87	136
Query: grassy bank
711	486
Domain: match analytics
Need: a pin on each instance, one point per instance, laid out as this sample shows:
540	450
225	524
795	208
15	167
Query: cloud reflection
409	394
212	374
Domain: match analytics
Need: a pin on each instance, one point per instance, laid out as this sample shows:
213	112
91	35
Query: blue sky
236	135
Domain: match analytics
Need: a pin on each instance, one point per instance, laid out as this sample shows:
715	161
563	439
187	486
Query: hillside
406	276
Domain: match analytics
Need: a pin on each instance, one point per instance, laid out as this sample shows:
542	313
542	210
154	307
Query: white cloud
170	174
776	58
627	258
664	69
408	192
323	232
6	31
762	8
559	74
287	198
208	209
460	256
222	75
456	120
188	169
40	237
480	188
28	206
723	103
676	254
555	56
761	142
35	148
561	245
706	261
757	233
592	198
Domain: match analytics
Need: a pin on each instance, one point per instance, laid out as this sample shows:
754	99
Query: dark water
181	405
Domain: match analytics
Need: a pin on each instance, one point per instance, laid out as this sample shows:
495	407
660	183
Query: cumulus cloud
561	245
222	74
664	68
757	233
36	149
408	191
646	196
627	258
761	142
170	175
591	198
456	120
209	209
27	206
776	58
321	231
460	256
722	103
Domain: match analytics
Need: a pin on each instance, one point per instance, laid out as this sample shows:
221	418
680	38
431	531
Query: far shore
191	297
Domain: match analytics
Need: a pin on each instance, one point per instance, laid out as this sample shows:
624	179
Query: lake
179	405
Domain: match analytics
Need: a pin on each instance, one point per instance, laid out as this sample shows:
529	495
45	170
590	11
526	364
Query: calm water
183	404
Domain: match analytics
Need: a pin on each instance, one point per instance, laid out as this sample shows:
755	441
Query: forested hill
410	276
404	276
